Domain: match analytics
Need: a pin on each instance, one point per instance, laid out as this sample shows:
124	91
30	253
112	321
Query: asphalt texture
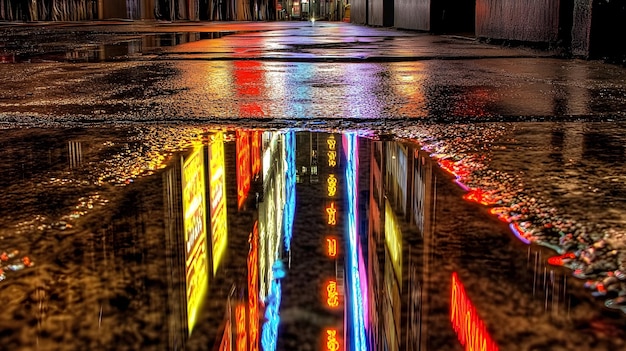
303	71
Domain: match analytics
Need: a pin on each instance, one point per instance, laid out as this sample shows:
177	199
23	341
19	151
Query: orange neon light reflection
332	340
332	158
253	288
332	214
470	329
332	143
332	185
240	316
482	197
332	299
332	247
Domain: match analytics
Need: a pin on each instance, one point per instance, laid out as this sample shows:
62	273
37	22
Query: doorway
454	17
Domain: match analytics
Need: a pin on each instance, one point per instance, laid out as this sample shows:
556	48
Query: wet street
300	186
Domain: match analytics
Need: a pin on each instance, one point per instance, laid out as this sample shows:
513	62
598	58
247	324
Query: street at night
307	185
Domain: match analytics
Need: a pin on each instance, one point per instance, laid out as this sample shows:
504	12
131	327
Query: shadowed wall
520	20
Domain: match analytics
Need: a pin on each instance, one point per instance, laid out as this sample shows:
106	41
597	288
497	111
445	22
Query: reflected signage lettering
253	288
255	152
332	214
217	185
332	294
470	329
331	247
332	151
243	167
194	204
332	340
332	185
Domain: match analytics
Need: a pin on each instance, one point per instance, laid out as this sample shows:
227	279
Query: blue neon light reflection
290	188
269	334
357	339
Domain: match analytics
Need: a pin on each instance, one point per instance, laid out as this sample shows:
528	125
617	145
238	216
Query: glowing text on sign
332	151
253	288
195	233
332	214
243	167
332	185
332	342
332	247
217	185
332	299
255	152
469	328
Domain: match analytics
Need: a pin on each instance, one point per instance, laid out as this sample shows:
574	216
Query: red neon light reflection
332	340
469	328
332	299
240	317
253	288
332	247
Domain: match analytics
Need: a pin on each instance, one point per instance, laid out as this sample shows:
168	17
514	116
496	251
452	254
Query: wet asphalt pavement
534	141
289	70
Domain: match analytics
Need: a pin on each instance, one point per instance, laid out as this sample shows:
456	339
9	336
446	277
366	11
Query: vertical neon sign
253	288
332	214
255	151
290	188
194	209
332	295
331	247
332	185
332	340
357	339
240	318
243	166
269	331
332	151
217	185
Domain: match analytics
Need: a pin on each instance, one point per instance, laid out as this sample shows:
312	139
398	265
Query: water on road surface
299	186
164	237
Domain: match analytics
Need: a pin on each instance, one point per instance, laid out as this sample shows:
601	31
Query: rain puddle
205	238
134	46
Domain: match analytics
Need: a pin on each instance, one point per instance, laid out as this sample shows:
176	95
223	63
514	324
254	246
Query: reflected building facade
400	237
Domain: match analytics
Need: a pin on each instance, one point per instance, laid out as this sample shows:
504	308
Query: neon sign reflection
290	188
332	340
194	205
332	299
240	318
357	315
332	214
269	333
331	247
253	288
470	329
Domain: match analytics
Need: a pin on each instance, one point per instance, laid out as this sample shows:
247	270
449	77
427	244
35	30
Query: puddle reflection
268	240
120	50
